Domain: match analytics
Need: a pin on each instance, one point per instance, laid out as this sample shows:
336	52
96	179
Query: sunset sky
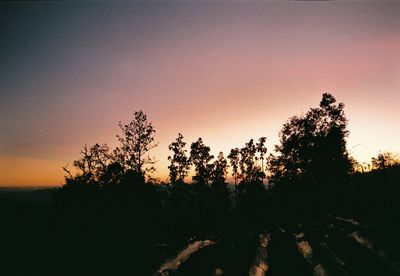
226	72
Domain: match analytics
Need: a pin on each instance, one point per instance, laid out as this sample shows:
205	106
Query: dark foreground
335	246
34	243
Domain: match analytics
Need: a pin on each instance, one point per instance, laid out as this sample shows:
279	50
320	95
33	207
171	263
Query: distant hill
28	194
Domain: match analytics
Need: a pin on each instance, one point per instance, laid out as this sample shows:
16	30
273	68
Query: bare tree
136	141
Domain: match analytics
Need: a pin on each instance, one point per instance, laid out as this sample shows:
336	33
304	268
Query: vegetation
112	212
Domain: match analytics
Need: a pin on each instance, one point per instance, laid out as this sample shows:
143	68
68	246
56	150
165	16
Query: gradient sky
226	72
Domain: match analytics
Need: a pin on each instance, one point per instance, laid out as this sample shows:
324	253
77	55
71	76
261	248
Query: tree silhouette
219	201
234	156
180	163
94	161
104	225
91	168
248	162
312	147
200	157
219	170
385	160
251	192
262	150
136	141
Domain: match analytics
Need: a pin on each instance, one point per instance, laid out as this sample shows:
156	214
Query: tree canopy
180	163
312	146
136	141
100	166
200	157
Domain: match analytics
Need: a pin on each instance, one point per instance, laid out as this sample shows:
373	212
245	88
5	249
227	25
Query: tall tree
248	163
200	157
312	146
180	163
219	171
262	150
218	197
136	141
234	156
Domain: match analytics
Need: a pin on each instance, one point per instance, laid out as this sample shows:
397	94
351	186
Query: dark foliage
112	218
312	163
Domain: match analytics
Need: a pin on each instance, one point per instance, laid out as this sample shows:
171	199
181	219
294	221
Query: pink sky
226	72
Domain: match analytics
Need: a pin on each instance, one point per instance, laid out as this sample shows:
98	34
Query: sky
226	72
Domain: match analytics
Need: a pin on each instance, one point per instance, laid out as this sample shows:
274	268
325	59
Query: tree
92	166
220	168
200	157
136	141
385	160
218	197
248	162
234	161
180	163
312	147
244	162
94	160
262	150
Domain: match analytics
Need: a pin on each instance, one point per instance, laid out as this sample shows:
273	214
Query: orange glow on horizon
25	171
226	72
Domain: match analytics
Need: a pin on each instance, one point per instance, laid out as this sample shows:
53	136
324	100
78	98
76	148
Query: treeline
112	212
106	180
309	173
